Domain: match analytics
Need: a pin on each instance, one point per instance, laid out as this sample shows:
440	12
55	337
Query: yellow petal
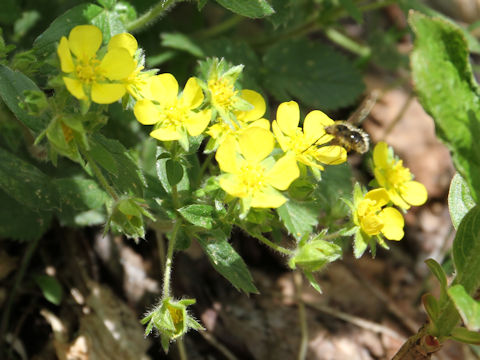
380	196
380	155
124	40
397	199
261	123
256	143
283	172
379	176
107	93
392	223
192	96
63	51
268	197
330	155
232	185
281	138
164	88
414	193
168	133
314	126
226	155
258	103
84	41
288	117
371	224
75	87
196	123
117	64
146	112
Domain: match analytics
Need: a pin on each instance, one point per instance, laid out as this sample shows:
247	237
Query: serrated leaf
468	308
299	217
181	42
46	43
460	200
19	222
448	91
80	194
51	288
26	183
13	87
313	73
466	336
227	262
122	170
163	156
248	8
197	214
108	21
466	251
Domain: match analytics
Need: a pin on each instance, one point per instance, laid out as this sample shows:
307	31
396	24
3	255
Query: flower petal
167	133
261	123
330	154
314	126
288	117
380	196
192	96
84	41
226	155
414	193
232	185
146	112
107	93
283	172
196	123
63	51
397	199
258	103
124	40
392	223
268	197
75	87
380	155
256	143
117	64
164	88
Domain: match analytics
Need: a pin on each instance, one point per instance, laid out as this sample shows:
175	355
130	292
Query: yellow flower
397	179
305	144
137	82
374	218
243	120
87	76
172	113
253	175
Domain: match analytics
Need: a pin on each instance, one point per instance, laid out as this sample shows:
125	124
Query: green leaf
311	279
466	251
431	307
352	10
248	8
46	43
227	262
465	336
51	288
26	183
80	194
19	222
174	172
197	214
313	73
123	171
163	157
109	21
438	272
468	308
181	42
460	200
448	91
299	217
14	86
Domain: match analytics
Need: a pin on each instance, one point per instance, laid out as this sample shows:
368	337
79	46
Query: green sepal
432	307
311	279
315	254
465	336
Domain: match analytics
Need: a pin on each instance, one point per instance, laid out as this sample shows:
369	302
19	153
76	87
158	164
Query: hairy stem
265	241
302	315
98	173
169	260
155	12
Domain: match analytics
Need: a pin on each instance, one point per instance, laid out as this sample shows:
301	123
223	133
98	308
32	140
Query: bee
348	135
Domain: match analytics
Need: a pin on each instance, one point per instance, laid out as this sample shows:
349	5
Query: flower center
252	177
397	174
87	71
222	92
67	133
370	222
174	114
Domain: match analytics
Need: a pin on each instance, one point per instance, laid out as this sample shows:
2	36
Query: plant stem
220	28
347	43
302	316
168	262
205	164
267	242
150	15
182	353
32	246
99	175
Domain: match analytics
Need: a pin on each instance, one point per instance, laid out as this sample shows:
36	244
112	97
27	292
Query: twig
217	345
302	316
